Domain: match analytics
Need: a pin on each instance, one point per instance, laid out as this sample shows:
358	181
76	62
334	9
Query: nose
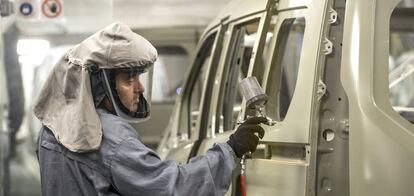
139	87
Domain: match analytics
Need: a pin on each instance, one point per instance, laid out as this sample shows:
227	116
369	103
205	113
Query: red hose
243	185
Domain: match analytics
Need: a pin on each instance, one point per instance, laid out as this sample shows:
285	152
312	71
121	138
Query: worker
87	146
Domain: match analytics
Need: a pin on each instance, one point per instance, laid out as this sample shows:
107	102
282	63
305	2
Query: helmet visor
129	90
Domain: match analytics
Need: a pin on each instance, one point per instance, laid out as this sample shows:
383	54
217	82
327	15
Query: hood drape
65	104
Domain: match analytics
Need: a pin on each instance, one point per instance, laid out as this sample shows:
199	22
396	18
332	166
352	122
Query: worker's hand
244	139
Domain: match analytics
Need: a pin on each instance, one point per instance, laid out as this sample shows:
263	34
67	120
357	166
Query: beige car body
340	134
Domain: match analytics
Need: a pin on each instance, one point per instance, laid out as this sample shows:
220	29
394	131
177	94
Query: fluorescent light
32	46
32	51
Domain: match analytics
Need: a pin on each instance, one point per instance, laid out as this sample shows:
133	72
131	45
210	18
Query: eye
130	81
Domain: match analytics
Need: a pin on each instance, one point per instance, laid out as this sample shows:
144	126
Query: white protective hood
65	104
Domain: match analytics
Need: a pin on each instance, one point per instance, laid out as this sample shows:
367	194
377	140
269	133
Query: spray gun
255	97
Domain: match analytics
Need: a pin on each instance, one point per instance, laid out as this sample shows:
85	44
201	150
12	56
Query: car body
336	74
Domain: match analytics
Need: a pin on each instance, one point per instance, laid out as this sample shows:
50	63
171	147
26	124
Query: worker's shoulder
115	129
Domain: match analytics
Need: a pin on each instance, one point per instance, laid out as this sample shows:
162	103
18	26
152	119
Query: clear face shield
129	90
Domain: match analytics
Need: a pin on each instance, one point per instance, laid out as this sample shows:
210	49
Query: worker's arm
137	170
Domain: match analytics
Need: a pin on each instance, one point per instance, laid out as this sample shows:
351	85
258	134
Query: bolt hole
339	99
328	135
340	44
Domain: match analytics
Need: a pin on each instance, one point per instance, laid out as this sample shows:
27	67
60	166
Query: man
87	147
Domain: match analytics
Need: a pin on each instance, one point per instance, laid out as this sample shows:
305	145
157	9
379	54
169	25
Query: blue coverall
123	165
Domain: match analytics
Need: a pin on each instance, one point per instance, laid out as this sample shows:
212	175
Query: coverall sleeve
137	170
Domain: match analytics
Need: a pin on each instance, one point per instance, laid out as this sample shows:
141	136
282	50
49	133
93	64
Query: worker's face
129	88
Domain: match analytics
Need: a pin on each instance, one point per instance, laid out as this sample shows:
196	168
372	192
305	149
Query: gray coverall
124	166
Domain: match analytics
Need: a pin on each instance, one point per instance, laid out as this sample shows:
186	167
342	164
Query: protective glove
244	139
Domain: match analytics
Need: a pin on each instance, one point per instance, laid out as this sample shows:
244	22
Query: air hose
242	175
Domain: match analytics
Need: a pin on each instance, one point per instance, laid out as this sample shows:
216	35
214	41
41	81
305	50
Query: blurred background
36	33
